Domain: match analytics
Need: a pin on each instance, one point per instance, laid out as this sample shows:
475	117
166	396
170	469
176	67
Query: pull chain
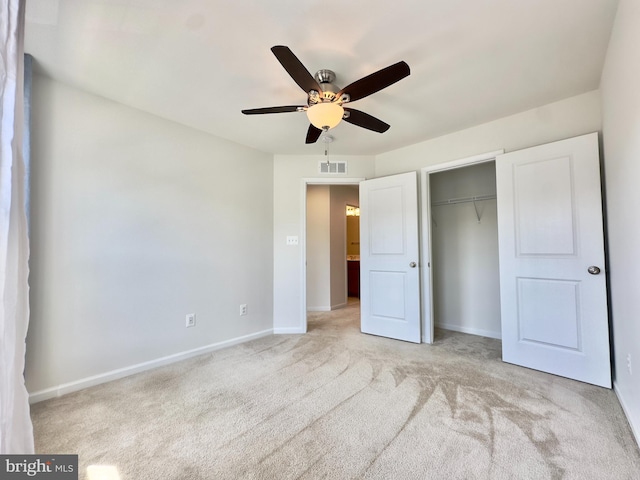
326	139
326	152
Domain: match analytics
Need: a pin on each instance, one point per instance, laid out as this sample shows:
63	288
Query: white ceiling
199	62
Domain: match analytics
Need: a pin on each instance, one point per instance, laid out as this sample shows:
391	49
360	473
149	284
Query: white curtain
16	431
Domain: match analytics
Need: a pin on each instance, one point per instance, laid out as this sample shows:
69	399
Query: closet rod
452	201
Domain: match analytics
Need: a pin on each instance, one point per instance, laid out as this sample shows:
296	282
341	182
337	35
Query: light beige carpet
337	404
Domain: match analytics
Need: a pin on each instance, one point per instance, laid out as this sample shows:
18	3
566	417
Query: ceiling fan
325	102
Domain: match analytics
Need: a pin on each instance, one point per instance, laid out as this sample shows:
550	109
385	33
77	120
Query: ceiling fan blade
295	69
376	81
285	109
313	134
364	120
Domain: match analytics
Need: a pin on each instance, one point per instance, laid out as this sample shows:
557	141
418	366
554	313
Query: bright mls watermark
51	467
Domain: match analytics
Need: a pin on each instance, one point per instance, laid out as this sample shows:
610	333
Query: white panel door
389	270
552	270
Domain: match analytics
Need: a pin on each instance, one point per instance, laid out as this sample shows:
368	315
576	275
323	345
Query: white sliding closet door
552	270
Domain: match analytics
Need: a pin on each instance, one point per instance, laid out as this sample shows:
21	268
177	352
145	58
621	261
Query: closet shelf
474	199
452	201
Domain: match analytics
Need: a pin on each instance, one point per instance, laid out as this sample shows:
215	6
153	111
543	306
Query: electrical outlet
243	309
629	364
292	240
191	320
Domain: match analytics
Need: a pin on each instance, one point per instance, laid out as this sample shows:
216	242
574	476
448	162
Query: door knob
413	264
593	270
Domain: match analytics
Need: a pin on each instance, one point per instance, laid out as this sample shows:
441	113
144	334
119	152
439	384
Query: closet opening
465	276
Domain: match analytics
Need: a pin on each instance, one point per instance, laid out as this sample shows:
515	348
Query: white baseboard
288	330
87	382
327	309
635	429
470	330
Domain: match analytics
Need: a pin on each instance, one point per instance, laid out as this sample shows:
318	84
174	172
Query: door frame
303	235
425	213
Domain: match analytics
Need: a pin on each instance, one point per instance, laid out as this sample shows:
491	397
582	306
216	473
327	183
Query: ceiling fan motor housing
325	79
325	76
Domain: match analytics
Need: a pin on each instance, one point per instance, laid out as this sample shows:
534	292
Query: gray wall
136	222
621	138
318	248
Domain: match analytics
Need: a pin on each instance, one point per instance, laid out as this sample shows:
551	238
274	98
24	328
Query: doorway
327	253
465	266
456	188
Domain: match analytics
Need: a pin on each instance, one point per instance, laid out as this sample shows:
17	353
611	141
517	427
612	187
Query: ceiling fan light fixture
325	114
